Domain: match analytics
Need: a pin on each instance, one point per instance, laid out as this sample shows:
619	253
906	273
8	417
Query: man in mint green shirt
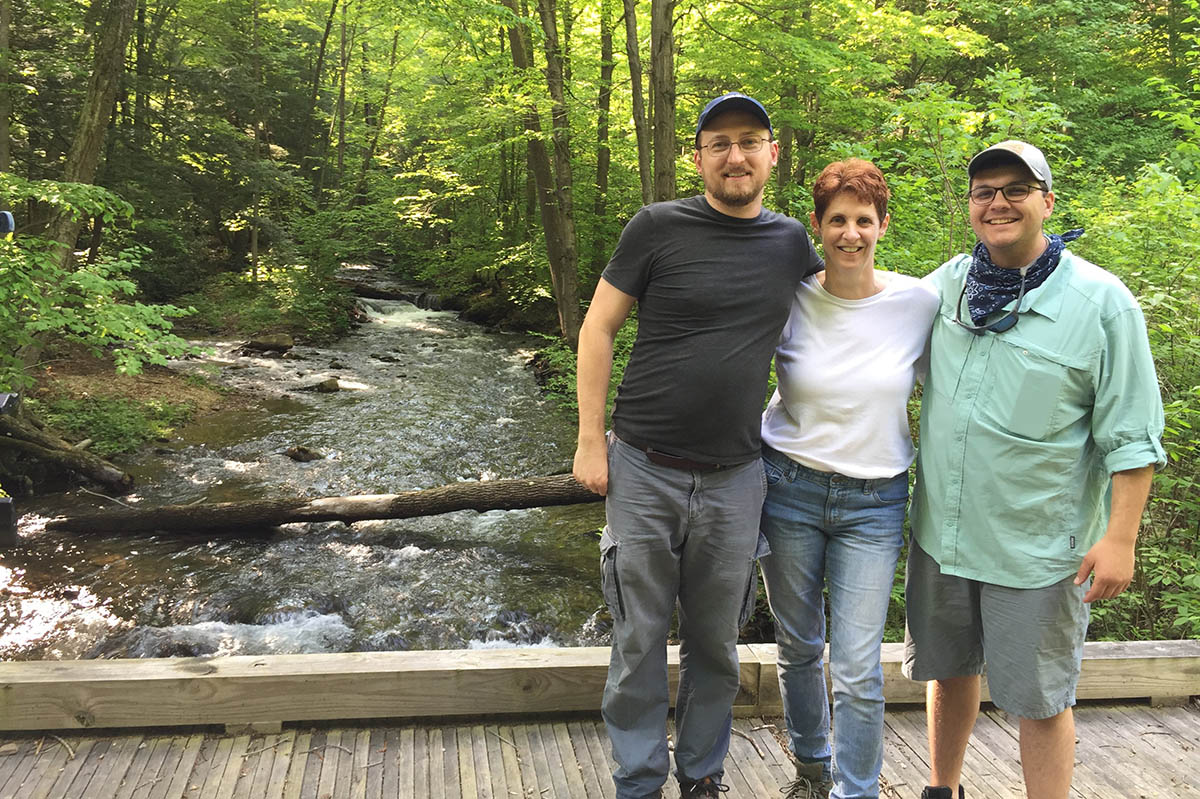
1040	427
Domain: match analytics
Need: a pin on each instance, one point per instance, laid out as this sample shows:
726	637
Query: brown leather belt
673	461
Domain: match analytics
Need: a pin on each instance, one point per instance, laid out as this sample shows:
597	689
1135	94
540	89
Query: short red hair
856	176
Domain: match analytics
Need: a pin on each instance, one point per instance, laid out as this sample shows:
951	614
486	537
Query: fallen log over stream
532	492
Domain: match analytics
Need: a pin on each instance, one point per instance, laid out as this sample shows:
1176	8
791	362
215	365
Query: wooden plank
10	756
593	732
378	750
583	757
150	773
541	764
328	757
117	762
77	787
554	759
428	764
529	779
133	776
744	757
466	763
399	769
262	755
234	768
494	761
22	769
905	763
293	783
1157	759
510	760
571	769
55	785
360	759
451	773
176	783
45	773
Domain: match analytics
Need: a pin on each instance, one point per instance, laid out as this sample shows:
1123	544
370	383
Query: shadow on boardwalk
1125	750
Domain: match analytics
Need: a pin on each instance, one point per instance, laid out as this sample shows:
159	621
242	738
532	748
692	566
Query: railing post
8	512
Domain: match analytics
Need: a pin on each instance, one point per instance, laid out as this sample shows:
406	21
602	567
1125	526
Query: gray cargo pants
690	536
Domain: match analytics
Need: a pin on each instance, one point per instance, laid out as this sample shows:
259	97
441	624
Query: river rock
328	386
303	454
274	342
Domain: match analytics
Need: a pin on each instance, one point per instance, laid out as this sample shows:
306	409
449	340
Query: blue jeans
675	538
827	529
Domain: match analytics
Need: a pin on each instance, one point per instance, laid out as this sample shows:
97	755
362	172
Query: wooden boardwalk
1125	750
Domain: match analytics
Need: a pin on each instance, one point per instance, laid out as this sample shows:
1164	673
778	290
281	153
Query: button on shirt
1022	430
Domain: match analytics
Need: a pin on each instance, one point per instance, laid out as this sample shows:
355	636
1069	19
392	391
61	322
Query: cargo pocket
751	597
610	584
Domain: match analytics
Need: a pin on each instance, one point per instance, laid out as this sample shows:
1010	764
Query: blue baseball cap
733	101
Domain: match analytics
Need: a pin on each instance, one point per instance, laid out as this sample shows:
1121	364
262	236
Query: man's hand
1110	561
1111	564
591	466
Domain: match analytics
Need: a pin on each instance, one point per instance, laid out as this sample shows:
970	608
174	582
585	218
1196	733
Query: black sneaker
940	792
708	786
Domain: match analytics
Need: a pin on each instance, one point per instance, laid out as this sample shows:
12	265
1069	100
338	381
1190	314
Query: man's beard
737	197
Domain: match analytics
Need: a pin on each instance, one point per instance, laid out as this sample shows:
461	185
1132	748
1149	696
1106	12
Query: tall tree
603	154
641	125
554	198
662	77
108	65
5	87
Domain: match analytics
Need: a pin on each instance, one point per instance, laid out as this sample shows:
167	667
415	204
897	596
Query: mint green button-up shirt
1022	430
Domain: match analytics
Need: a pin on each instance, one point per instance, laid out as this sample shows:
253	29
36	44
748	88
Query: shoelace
708	787
800	788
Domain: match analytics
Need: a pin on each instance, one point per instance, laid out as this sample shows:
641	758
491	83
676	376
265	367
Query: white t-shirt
846	369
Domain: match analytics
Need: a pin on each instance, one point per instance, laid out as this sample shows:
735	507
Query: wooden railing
263	692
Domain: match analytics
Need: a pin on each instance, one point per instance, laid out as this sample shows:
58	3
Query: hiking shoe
810	783
940	792
708	786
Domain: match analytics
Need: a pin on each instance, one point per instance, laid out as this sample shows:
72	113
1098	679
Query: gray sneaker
810	783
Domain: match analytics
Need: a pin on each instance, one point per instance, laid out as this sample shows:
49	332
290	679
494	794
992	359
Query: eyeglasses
1013	192
748	145
1006	322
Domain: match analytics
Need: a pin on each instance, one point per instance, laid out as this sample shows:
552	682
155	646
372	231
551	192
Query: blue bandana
990	287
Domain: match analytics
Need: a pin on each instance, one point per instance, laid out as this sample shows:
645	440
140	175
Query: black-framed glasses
1006	322
1013	192
747	144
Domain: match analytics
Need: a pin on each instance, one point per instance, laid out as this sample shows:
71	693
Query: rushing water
427	400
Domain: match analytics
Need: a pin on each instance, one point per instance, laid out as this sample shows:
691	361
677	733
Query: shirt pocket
1028	387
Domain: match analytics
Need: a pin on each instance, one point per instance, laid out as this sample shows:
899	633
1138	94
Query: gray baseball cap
1008	151
733	101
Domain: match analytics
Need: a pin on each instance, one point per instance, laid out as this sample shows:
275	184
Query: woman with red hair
836	449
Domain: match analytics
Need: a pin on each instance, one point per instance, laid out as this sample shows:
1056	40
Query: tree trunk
553	200
315	89
603	156
84	155
662	77
640	125
377	120
533	492
5	93
27	439
566	276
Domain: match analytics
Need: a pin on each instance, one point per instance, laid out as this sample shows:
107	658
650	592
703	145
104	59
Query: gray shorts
1031	639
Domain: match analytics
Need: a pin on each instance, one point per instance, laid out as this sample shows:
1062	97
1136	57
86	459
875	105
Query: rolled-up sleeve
1127	420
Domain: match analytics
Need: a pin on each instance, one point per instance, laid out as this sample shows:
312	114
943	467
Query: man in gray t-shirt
713	277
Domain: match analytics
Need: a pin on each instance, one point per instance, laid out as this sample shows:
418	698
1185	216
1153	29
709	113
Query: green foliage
92	304
558	360
114	424
293	298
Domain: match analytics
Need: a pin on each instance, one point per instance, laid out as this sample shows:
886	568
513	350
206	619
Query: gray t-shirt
713	293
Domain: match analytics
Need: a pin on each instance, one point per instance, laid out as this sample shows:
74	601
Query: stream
426	400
